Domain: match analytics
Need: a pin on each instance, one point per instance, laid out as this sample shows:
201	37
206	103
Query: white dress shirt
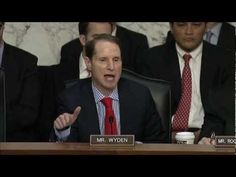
84	73
196	110
215	33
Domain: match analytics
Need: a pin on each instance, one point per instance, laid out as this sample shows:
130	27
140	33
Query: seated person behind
221	34
193	67
22	91
72	63
81	107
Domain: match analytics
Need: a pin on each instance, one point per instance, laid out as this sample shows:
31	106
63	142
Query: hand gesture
66	119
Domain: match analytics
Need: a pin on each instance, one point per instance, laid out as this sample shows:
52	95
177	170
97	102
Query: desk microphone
111	119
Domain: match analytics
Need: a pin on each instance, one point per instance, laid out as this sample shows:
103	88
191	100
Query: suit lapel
9	63
126	109
226	38
7	59
172	65
205	76
90	118
119	33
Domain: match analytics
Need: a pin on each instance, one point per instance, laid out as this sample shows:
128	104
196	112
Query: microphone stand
2	106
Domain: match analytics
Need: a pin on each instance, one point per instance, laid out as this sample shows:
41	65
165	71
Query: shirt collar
114	31
99	96
193	53
82	64
216	29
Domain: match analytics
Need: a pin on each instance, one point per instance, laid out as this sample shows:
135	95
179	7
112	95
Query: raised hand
66	119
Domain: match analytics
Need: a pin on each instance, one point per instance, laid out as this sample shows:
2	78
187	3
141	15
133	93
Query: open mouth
109	77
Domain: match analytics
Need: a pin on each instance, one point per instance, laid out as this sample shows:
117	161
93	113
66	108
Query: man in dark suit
222	35
210	67
22	91
133	44
72	65
81	108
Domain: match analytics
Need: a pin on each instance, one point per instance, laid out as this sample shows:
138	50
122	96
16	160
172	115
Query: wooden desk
85	149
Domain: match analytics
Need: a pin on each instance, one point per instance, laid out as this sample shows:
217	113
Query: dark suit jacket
217	69
50	85
132	46
22	93
221	104
138	114
226	40
69	63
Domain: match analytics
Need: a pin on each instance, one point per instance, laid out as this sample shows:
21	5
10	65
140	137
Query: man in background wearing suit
133	44
210	67
22	91
221	34
81	107
72	64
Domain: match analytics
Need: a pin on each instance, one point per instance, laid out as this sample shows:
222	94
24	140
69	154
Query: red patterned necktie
110	120
180	122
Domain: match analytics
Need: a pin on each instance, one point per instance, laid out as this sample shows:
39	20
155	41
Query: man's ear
82	39
88	63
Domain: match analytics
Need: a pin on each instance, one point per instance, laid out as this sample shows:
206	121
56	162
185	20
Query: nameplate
112	140
225	141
